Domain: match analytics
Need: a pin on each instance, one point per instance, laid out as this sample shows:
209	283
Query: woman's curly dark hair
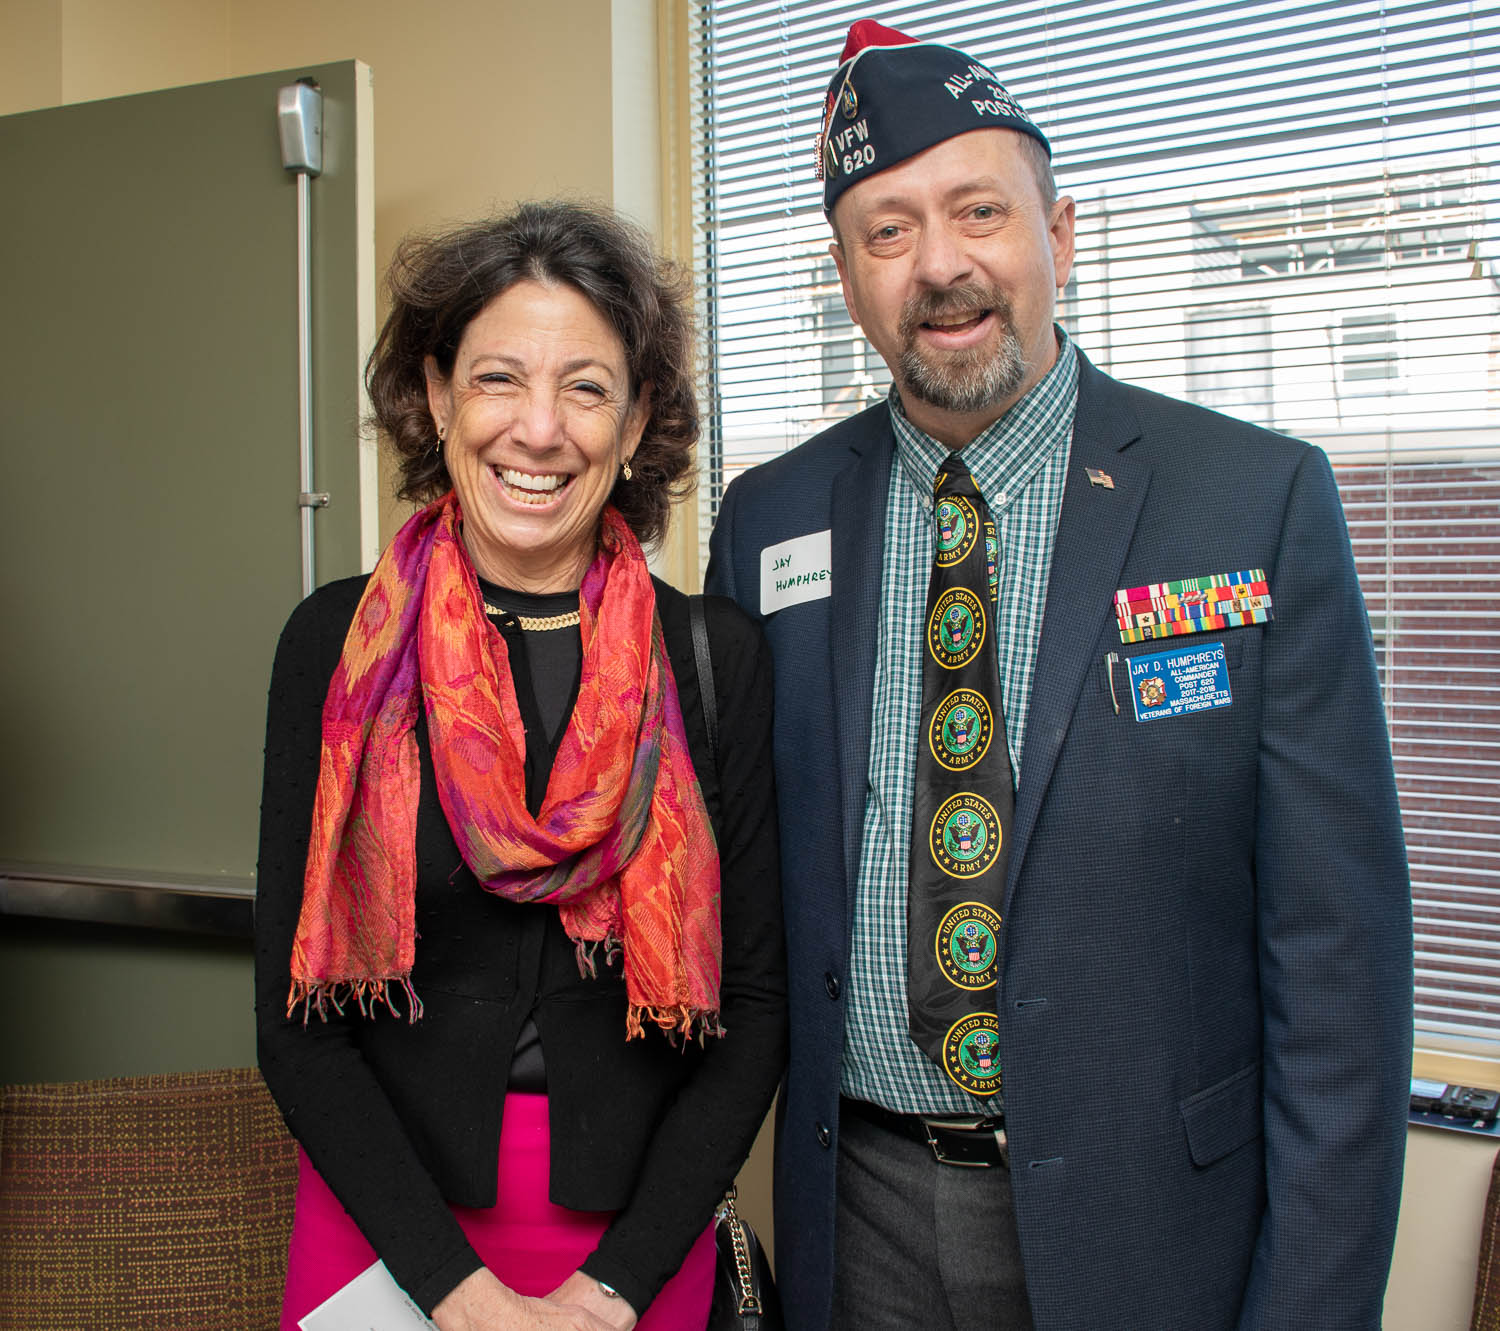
439	283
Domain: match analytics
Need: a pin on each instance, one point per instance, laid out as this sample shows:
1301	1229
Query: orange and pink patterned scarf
622	844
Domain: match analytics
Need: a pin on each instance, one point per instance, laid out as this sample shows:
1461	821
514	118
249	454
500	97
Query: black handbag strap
705	665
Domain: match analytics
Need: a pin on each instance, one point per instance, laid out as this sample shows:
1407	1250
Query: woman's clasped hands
480	1302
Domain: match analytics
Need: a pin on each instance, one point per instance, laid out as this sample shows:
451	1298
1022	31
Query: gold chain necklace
537	623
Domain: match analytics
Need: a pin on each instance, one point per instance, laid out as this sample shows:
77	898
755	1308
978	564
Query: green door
149	519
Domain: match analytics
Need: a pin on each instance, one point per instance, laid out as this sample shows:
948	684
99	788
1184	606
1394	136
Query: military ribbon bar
1193	605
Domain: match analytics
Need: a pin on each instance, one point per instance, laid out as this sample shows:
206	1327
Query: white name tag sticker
371	1300
795	571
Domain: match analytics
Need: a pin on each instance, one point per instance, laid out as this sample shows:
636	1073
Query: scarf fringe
681	1024
319	995
586	951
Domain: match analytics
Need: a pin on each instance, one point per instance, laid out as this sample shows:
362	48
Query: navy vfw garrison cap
893	97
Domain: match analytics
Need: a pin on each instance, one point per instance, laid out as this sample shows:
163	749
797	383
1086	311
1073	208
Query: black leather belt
970	1142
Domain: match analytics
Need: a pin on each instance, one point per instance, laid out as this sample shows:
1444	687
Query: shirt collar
1004	456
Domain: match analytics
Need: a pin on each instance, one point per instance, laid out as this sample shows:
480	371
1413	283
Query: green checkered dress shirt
1019	465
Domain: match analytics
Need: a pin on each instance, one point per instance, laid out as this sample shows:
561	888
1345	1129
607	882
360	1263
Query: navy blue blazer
1205	998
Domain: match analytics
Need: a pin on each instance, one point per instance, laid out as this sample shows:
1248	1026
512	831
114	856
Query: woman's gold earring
438	447
627	469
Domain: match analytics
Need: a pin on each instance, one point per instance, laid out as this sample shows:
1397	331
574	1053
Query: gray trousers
921	1246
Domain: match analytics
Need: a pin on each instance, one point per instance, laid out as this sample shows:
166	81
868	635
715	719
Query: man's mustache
952	305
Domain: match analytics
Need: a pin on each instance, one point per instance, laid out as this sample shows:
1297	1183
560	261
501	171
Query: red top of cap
867	32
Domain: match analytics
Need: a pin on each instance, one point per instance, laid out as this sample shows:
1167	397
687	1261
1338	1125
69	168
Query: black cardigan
401	1119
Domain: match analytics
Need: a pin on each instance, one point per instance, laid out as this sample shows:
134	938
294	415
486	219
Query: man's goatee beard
967	381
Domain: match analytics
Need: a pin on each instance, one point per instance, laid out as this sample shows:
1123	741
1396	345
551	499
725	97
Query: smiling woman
439	286
487	807
537	420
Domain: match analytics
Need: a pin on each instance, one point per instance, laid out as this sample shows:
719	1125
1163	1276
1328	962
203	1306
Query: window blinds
1287	212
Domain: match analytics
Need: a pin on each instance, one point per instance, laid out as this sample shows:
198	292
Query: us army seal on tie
961	728
971	1053
955	629
957	530
965	836
968	947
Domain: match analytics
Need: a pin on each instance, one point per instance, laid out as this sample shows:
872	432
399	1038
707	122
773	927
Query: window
1229	360
853	375
1287	211
1367	347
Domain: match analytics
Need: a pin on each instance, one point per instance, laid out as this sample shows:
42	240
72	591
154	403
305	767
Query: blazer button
831	983
824	1136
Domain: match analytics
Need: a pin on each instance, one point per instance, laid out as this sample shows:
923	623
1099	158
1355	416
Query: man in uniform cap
1193	951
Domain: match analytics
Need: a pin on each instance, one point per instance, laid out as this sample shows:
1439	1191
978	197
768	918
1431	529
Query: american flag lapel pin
1102	479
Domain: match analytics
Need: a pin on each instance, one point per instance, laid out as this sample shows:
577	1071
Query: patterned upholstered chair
143	1203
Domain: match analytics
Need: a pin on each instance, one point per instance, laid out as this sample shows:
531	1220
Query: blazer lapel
1094	532
857	527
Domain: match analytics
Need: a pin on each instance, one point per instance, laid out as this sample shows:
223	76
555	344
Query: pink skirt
530	1244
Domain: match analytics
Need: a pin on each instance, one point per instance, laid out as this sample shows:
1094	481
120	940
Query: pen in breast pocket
1109	666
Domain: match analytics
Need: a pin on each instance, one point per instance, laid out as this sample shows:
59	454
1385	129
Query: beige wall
476	103
1437	1242
1442	1208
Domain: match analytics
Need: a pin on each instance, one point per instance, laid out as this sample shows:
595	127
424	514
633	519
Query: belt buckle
973	1124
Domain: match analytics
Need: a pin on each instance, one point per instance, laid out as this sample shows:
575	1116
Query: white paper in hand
372	1301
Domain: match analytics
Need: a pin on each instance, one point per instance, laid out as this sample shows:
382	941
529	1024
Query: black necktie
964	797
